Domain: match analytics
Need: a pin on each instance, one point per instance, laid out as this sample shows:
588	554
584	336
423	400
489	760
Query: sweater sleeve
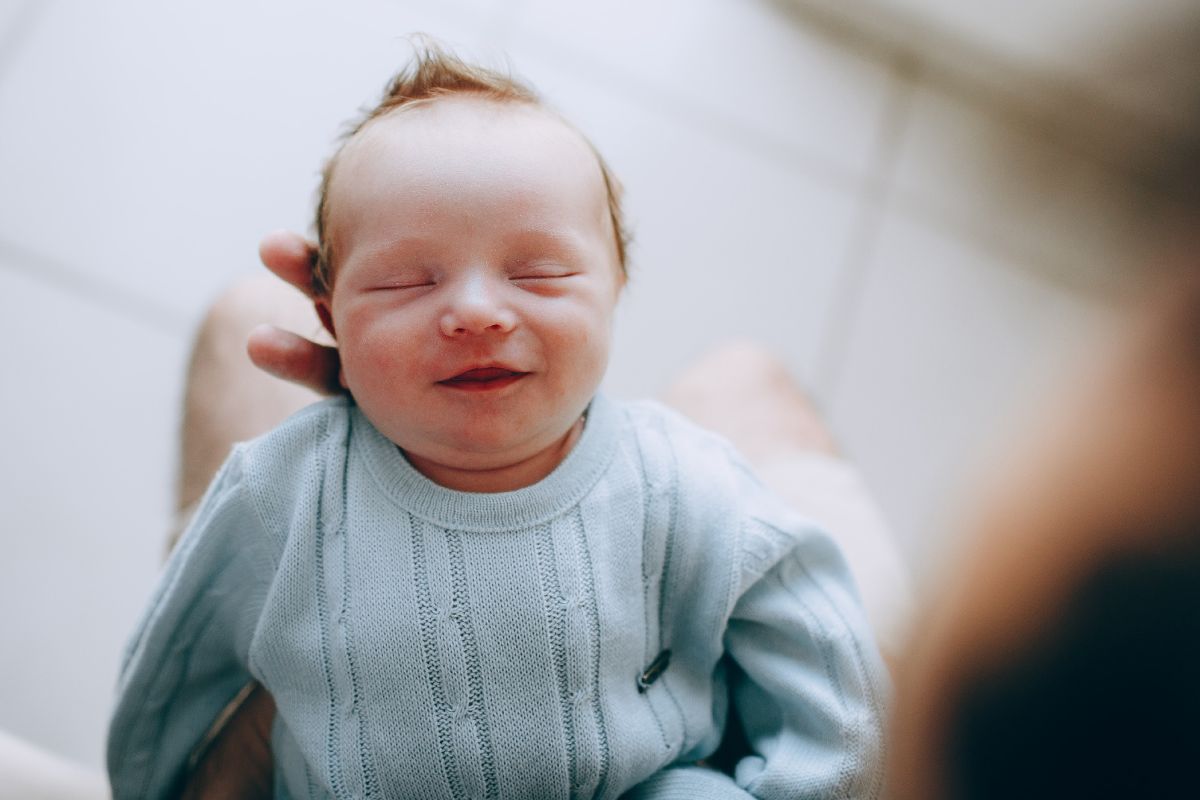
188	657
687	782
806	679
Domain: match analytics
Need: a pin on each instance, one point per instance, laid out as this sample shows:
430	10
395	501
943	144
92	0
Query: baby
473	576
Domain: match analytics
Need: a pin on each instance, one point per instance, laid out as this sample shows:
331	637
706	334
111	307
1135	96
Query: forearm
235	763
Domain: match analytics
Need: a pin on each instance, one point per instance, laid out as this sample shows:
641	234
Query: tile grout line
53	273
48	271
876	190
749	138
1027	109
1003	105
697	117
1029	261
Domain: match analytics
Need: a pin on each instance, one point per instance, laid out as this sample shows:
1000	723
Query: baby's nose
477	308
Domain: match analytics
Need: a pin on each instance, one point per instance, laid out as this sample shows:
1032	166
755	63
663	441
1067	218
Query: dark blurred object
1060	661
1106	704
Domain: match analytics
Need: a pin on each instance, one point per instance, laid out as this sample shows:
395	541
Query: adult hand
282	353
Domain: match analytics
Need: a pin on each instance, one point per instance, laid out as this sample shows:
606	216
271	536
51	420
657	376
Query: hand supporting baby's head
471	253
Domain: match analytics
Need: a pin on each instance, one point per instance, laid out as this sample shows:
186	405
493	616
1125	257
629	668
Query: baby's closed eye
398	285
400	280
540	272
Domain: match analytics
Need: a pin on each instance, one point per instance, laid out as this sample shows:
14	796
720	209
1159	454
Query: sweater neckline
490	511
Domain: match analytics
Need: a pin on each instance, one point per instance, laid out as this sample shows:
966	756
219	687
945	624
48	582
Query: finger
294	358
290	256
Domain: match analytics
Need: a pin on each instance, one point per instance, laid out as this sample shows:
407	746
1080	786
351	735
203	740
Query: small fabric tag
657	667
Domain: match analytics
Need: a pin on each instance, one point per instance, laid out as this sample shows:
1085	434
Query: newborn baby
472	575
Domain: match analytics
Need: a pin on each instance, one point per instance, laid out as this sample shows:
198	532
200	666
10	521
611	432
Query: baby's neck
500	479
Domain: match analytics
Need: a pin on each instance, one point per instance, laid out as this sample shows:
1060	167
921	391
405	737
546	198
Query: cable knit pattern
427	643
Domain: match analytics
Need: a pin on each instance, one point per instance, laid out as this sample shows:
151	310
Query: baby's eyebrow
401	245
410	250
564	239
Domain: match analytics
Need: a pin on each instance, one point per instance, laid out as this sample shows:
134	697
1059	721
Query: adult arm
237	763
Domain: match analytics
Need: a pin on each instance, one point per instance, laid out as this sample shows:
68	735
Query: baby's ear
321	304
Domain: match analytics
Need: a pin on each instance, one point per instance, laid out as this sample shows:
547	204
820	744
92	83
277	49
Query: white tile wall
89	421
951	344
737	66
153	144
12	16
995	178
144	148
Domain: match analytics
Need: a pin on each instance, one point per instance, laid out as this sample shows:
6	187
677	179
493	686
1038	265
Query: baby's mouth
484	378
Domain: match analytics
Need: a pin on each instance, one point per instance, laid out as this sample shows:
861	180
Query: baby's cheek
586	351
373	356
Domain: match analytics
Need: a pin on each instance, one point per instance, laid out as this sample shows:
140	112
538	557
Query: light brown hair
433	73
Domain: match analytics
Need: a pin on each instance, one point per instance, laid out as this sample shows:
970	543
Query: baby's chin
492	466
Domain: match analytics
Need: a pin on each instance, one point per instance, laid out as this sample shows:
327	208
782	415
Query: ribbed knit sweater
585	636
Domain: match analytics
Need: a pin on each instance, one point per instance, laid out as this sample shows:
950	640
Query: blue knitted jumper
586	636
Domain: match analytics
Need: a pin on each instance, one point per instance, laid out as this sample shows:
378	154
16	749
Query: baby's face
475	278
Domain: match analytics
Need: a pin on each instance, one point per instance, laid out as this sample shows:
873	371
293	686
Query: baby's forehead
470	120
434	167
473	144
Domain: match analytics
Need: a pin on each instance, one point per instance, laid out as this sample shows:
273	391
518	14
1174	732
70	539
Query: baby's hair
433	73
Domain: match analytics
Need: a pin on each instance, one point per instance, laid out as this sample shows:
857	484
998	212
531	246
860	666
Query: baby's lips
484	374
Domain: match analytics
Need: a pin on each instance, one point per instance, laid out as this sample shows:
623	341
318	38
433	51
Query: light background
925	260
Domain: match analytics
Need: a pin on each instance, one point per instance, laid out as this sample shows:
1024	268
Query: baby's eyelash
543	276
393	286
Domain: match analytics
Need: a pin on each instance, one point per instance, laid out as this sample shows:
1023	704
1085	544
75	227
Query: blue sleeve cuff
686	783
